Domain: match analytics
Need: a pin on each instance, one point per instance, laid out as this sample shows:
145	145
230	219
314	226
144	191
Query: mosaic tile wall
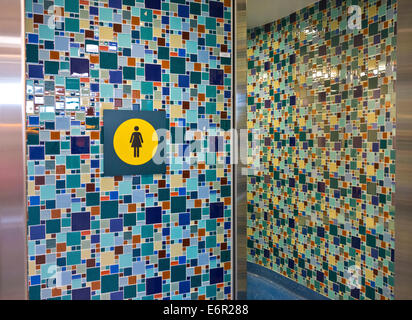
131	237
320	199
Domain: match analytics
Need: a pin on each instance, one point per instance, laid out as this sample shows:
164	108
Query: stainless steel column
239	181
12	163
403	178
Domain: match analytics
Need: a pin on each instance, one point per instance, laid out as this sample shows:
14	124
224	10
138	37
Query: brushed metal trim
239	179
13	248
403	198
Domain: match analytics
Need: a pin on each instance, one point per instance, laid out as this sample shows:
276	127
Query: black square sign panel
134	142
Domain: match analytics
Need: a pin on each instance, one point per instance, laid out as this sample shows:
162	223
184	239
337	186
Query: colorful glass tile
321	116
130	237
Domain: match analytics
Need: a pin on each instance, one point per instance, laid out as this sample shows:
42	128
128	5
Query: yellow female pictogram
135	141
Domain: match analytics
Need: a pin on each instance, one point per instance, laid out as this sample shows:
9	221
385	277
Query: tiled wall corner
320	204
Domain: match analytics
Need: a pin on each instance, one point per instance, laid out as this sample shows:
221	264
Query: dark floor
265	284
259	288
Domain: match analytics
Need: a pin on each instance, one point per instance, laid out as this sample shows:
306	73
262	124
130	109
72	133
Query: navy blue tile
153	72
321	187
216	210
356	192
183	11
153	215
80	221
94	11
115	76
356	242
117	4
36	71
216	275
184	219
94	87
184	81
80	145
152	4
37	232
216	77
216	9
81	294
116	225
116	295
36	153
79	67
184	287
153	285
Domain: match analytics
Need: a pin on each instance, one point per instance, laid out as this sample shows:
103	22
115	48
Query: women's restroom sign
133	142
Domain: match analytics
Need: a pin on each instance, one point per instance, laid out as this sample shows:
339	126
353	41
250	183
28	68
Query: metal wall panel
12	169
403	198
240	173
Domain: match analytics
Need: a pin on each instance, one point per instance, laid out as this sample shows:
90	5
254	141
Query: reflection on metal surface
403	199
239	181
12	172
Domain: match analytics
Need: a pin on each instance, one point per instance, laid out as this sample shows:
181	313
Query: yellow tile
86	254
157	32
31	191
220	173
105	106
176	111
107	258
176	250
107	183
368	274
106	33
370	223
29	25
175	41
176	181
372	64
85	101
85	178
84	24
32	268
157	245
157	104
371	117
